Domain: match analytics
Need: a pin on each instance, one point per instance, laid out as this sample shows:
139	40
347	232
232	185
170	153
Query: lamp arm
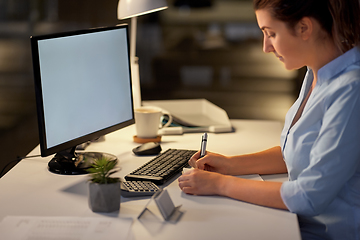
133	39
134	64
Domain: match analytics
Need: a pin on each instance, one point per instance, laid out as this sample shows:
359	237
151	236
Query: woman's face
287	45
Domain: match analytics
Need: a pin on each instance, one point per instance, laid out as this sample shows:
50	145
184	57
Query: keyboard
162	168
138	188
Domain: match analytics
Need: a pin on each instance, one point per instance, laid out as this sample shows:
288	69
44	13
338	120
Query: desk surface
29	189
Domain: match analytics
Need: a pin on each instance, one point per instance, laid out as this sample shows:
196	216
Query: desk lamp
132	9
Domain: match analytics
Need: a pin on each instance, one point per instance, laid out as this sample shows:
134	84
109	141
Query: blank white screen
85	83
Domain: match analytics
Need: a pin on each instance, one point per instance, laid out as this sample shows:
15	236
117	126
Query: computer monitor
83	91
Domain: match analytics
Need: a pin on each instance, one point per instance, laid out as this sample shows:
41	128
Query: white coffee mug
147	121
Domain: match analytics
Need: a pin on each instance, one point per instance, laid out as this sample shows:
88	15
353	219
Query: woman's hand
200	182
212	162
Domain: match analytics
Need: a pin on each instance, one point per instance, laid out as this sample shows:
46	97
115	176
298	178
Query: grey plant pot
104	197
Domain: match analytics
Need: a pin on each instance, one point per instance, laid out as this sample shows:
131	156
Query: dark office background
195	49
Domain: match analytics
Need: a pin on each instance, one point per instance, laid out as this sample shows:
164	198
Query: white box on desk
195	115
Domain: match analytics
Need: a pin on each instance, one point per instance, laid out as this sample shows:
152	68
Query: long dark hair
339	18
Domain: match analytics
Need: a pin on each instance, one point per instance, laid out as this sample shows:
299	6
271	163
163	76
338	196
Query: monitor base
75	163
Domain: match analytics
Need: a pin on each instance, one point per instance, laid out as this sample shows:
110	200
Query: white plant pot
104	197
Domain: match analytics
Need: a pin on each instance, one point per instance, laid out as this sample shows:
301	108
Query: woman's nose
267	45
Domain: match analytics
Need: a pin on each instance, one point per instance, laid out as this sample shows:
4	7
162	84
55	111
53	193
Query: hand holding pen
196	157
213	162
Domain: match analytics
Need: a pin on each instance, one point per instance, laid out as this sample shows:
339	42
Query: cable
18	159
21	158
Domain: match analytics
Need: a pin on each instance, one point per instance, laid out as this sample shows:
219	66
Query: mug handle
170	119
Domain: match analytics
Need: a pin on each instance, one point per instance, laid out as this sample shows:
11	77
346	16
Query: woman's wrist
230	165
222	185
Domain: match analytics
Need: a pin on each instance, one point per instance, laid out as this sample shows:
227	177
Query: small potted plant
104	190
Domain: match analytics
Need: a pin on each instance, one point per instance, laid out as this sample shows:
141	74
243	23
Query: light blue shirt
322	152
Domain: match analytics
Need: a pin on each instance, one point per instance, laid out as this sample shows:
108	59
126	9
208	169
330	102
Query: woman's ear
304	28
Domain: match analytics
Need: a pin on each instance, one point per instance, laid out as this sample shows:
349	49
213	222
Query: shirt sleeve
334	156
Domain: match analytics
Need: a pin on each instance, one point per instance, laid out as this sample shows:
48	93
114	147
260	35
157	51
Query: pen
203	145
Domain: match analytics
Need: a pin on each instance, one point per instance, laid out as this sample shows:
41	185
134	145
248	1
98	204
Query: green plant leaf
101	170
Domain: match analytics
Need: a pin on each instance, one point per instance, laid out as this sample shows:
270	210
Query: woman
320	142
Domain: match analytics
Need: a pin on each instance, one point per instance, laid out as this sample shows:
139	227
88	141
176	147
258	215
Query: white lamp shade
133	8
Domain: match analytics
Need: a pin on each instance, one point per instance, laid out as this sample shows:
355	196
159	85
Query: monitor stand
69	162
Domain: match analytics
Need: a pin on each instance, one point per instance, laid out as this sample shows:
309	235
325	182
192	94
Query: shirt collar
338	65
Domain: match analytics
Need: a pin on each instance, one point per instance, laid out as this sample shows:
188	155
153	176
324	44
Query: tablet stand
162	206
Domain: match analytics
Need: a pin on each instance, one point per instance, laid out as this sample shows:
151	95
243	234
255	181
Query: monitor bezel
45	151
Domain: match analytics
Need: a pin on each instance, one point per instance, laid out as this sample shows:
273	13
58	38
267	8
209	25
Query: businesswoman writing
320	142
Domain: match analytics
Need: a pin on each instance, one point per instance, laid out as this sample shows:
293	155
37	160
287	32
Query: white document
250	176
64	228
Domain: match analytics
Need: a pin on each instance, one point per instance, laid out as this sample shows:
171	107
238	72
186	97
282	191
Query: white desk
29	189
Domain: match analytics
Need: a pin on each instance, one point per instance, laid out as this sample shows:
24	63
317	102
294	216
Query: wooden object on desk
146	140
